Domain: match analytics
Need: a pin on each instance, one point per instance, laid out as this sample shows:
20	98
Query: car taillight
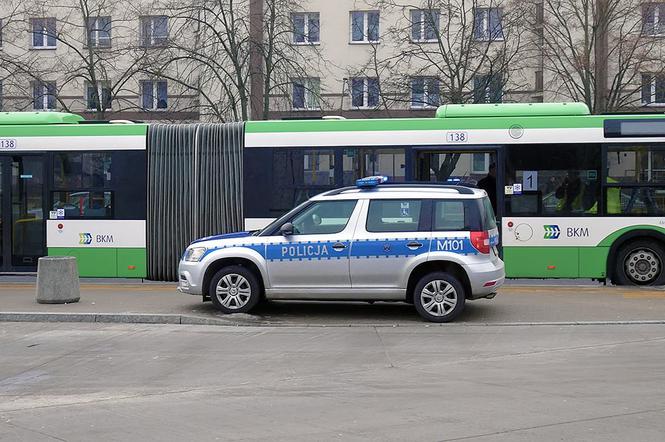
481	241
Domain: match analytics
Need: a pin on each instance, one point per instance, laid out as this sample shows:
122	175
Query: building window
653	19
99	32
43	95
365	92
306	92
653	89
488	88
539	81
425	92
424	25
487	24
154	94
154	30
365	26
93	95
306	28
44	33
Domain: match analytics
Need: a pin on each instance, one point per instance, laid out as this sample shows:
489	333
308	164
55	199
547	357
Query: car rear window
393	216
489	220
456	215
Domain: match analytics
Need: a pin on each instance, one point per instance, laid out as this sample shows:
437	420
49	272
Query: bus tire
439	297
235	289
640	262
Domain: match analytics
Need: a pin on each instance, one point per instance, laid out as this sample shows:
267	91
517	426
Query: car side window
323	217
457	215
393	216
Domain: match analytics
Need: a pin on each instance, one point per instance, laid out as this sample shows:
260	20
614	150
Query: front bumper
486	278
190	278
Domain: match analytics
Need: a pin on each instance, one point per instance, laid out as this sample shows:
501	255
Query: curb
176	319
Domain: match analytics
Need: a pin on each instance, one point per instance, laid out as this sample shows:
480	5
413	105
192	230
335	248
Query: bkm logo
552	231
85	238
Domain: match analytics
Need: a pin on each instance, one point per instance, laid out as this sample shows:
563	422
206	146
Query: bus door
473	167
22	238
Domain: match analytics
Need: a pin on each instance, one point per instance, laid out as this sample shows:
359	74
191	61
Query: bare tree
98	52
594	51
467	45
215	64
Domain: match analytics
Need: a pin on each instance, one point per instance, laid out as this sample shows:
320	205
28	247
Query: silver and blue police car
431	245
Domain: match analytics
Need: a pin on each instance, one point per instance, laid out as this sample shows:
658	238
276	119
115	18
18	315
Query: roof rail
462	190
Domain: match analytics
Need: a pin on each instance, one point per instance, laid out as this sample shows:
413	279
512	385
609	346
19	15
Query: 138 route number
8	143
457	137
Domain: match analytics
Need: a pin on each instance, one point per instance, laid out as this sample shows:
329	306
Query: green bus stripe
548	122
74	130
609	239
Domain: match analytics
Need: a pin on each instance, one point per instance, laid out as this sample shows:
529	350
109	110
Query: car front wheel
439	297
235	289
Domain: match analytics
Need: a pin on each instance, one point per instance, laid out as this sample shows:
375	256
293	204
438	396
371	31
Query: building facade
197	60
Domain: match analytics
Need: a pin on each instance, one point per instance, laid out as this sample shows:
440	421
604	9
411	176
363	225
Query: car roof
397	191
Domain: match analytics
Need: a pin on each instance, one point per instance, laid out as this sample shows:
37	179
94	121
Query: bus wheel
439	297
640	263
234	289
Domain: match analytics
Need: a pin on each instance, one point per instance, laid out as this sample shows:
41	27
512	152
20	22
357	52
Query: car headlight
194	254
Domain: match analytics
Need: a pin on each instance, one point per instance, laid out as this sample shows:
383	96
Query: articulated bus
578	195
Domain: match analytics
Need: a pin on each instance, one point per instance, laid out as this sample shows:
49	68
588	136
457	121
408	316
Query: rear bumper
485	279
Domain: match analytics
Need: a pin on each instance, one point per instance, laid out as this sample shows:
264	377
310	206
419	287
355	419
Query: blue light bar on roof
370	181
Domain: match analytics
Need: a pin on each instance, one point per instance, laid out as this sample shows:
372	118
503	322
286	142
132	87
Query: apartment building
194	60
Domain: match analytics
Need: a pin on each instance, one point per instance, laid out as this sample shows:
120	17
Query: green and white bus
578	195
71	187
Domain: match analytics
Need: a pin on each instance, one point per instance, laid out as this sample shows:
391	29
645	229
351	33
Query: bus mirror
286	229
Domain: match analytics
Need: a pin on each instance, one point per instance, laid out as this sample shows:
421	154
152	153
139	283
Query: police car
426	244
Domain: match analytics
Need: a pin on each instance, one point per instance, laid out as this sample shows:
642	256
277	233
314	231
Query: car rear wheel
439	297
235	289
640	263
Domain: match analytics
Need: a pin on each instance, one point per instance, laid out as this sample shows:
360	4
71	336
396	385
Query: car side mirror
286	229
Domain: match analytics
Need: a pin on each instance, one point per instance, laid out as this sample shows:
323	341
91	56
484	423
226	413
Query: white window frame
426	92
94	32
422	23
653	102
658	6
305	29
155	94
100	93
487	32
44	97
153	19
365	104
308	83
365	27
44	35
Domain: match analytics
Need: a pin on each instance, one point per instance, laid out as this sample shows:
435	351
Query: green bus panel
132	263
104	262
593	262
541	262
555	262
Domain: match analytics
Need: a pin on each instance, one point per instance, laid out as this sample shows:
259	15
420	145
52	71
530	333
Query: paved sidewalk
519	302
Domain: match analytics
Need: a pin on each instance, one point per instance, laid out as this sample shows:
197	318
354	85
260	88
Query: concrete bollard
57	280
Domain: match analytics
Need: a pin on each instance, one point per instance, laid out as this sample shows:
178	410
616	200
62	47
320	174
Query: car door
316	255
392	237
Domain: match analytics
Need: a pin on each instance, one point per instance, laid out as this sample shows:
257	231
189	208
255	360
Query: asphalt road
118	382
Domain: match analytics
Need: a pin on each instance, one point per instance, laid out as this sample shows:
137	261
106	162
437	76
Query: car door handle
339	246
414	245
